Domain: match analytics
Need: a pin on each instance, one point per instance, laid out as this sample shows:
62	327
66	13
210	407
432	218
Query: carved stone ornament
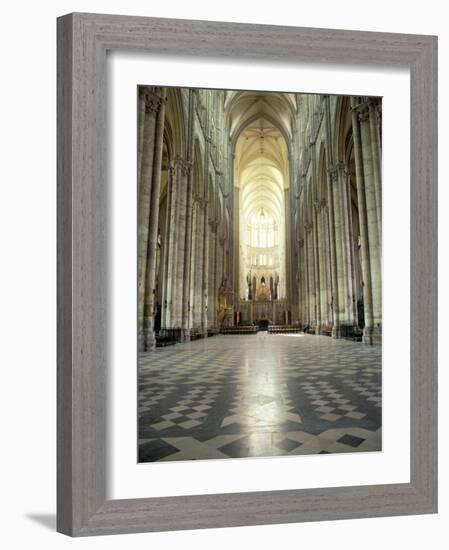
153	101
183	165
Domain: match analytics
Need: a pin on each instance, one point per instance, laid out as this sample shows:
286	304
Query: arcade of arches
260	225
258	209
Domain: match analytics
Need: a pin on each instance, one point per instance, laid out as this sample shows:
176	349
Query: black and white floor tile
262	395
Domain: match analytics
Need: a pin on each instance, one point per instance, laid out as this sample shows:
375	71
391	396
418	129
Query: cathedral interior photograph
259	288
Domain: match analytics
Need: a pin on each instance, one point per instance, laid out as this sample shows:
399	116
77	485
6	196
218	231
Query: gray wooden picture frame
83	40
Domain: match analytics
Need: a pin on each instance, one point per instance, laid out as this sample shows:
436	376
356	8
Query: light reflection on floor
259	395
292	335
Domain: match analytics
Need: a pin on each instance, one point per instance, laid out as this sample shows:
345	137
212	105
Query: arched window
261	231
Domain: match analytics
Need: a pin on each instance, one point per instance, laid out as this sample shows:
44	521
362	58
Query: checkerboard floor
263	395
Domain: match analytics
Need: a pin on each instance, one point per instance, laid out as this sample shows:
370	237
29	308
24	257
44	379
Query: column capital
213	225
337	170
153	99
183	165
319	204
361	110
171	170
374	106
199	199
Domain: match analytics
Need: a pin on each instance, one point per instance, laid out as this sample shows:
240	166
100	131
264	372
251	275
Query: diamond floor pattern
263	395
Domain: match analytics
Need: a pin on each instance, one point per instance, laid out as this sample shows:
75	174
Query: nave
259	273
257	209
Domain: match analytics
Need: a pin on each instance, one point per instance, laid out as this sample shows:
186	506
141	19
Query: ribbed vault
260	129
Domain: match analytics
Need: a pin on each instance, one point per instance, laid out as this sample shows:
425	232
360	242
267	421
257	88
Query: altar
262	312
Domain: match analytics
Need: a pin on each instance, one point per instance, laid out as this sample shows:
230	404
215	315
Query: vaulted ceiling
260	126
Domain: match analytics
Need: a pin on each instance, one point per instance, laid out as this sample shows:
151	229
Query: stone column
304	278
302	282
312	259
288	249
193	264
224	255
141	104
148	208
221	261
236	237
306	266
185	320
317	260
340	176
186	284
172	250
374	106
182	173
322	261
372	221
348	244
205	281
351	253
187	256
212	268
341	287
328	265
310	270
199	264
332	227
168	247
363	224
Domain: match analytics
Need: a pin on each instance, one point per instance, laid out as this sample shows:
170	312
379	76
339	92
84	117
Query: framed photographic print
246	274
246	242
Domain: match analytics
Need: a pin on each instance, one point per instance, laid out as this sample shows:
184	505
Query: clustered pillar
151	127
330	250
183	251
179	246
366	126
